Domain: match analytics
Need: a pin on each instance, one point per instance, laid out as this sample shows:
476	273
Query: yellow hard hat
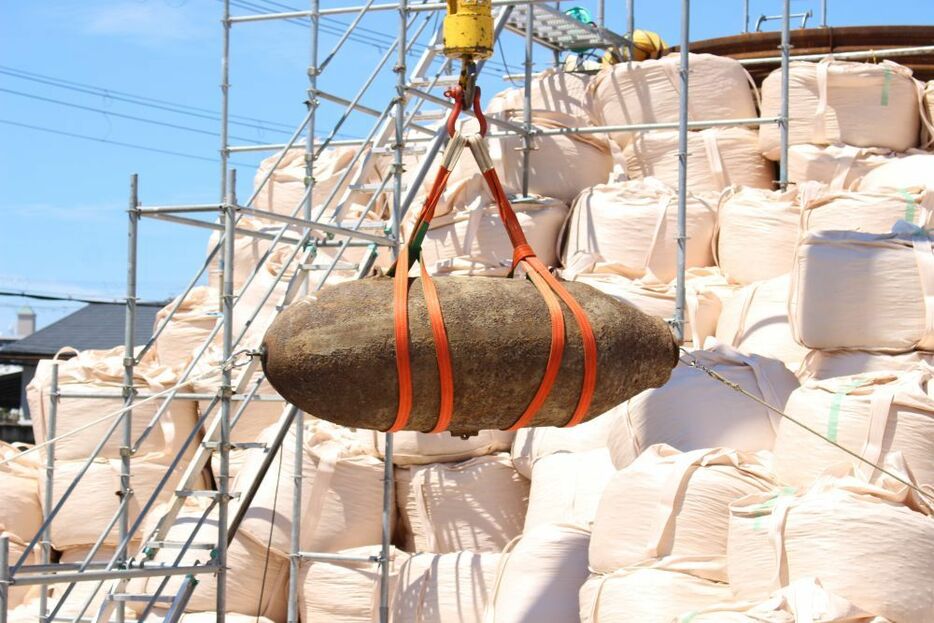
647	44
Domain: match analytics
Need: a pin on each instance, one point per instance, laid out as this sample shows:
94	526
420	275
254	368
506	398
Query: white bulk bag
538	581
630	228
911	171
342	486
95	500
861	543
230	617
532	444
248	419
673	505
566	487
248	250
649	92
257	581
755	321
927	115
705	291
804	600
647	595
478	504
717	158
872	414
21	594
826	364
875	212
414	448
852	290
840	167
195	317
860	104
20	513
82	591
283	192
101	371
444	588
473	241
560	166
346	592
693	411
559	96
756	233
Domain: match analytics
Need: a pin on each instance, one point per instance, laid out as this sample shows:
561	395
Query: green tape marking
886	83
766	507
910	204
833	418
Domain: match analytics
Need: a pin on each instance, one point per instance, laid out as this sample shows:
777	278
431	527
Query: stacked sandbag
861	541
649	92
20	595
755	321
706	289
826	364
566	487
334	171
629	228
859	104
473	241
192	322
874	212
84	592
414	448
257	580
342	488
556	95
346	592
647	594
101	371
532	444
674	506
444	588
840	167
477	505
803	600
717	158
873	415
854	290
539	579
694	411
80	523
911	171
756	233
20	513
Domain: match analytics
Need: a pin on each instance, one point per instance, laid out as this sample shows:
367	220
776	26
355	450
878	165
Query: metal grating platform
553	29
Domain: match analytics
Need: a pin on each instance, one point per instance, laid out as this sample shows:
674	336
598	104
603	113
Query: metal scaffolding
312	224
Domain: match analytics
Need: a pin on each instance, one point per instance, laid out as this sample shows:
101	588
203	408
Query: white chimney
25	322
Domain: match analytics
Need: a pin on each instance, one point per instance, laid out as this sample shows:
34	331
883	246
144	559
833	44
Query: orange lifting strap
549	287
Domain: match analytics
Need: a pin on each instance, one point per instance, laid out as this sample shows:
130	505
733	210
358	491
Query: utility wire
165	124
157	150
76	298
122	96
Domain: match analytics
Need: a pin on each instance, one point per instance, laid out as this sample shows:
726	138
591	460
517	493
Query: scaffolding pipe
418	8
823	13
845	56
682	167
223	479
225	101
128	368
745	15
527	102
649	127
630	27
51	425
149	571
784	120
4	577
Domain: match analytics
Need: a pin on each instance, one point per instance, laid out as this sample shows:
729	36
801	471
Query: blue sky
72	74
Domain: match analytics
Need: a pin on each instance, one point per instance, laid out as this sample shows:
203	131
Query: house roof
95	326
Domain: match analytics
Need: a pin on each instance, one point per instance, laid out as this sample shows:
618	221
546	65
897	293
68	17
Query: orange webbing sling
549	287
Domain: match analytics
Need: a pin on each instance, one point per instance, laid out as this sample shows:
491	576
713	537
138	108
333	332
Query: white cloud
152	21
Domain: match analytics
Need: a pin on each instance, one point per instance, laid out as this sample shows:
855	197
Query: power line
74	298
122	96
121	115
111	142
